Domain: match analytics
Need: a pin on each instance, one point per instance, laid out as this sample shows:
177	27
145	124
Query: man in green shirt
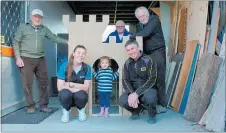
28	45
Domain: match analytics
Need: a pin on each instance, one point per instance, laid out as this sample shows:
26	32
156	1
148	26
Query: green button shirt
29	41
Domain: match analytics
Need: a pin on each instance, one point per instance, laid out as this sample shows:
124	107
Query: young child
104	77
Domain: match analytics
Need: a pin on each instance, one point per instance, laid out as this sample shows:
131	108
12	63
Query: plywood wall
89	34
196	20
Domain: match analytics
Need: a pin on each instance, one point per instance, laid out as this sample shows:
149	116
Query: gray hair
131	41
120	22
143	9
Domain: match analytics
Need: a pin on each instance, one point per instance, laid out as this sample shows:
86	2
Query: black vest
79	77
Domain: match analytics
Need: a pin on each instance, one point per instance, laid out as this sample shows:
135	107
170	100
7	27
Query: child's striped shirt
104	79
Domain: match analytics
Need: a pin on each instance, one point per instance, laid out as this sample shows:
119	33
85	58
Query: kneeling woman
74	78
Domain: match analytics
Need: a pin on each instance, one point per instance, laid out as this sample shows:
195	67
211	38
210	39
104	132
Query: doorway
114	104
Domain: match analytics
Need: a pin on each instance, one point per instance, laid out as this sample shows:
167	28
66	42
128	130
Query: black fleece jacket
139	76
153	38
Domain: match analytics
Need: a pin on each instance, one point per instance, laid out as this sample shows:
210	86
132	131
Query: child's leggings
104	99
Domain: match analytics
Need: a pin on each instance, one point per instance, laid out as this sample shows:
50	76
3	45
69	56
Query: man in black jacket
154	46
139	77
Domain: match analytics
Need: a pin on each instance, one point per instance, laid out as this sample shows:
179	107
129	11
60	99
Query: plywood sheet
178	58
206	39
89	34
173	83
179	92
156	10
196	21
202	87
214	28
190	80
172	41
213	117
170	74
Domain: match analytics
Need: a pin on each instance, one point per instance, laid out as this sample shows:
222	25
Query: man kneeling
139	78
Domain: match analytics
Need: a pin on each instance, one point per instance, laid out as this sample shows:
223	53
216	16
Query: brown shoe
30	110
46	110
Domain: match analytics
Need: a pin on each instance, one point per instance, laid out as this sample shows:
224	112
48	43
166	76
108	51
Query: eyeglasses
120	26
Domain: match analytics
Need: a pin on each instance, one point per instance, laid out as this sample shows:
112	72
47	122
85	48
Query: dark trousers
35	66
148	99
69	99
159	56
104	99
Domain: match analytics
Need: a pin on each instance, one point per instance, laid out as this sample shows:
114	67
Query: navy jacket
115	33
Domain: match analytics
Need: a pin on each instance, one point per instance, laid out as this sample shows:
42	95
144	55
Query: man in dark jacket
119	32
154	45
139	77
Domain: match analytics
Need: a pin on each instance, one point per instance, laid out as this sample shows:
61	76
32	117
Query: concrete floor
170	121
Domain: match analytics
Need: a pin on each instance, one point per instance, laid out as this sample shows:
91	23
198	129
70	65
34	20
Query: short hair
143	9
104	58
131	41
119	22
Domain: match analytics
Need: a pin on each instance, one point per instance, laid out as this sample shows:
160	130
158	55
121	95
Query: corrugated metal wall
11	88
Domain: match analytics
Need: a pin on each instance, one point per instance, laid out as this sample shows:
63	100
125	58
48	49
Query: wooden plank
206	39
171	70
173	83
220	80
217	117
190	80
179	92
171	47
214	39
182	30
178	58
202	87
196	21
213	117
222	52
156	10
213	27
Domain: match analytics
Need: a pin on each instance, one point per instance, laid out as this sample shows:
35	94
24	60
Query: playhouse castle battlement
90	34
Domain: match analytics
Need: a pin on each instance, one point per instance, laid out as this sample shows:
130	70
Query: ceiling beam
104	13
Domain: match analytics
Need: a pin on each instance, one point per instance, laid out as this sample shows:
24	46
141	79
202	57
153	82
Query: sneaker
82	114
161	109
30	110
152	120
65	116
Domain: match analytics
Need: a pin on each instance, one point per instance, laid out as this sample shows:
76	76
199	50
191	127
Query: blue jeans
104	99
